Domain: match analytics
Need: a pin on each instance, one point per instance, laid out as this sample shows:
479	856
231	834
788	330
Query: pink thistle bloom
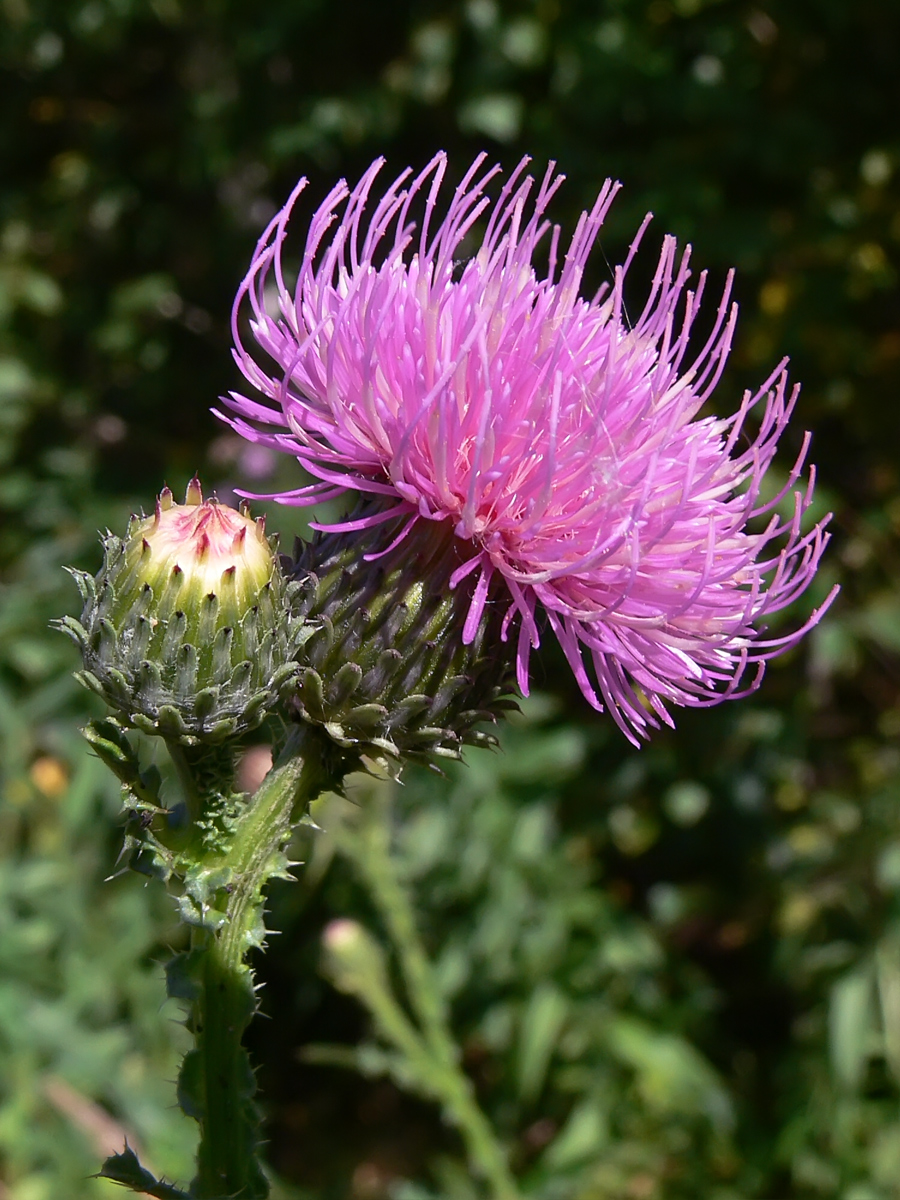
562	439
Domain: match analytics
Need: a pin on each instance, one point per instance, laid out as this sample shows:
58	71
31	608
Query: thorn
194	493
237	543
229	573
244	508
166	500
117	874
202	545
176	571
261	523
145	545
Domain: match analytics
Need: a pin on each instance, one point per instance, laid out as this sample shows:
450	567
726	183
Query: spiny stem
216	1084
219	1072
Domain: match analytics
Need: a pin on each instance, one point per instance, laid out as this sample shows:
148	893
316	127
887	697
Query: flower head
189	629
561	441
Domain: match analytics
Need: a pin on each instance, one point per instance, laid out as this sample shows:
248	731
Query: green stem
481	1142
219	1074
216	1083
446	1079
183	761
394	905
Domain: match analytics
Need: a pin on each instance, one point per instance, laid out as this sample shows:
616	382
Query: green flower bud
354	960
384	669
187	630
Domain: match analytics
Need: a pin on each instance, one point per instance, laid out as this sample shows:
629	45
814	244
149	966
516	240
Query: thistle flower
188	630
560	441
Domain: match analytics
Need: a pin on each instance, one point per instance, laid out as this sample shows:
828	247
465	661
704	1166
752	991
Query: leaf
851	1026
584	1134
542	1023
125	1169
672	1075
887	961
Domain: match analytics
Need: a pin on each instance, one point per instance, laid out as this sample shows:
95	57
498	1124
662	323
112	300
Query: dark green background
731	890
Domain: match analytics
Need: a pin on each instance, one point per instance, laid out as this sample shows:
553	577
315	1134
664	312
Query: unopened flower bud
342	935
187	629
354	960
394	666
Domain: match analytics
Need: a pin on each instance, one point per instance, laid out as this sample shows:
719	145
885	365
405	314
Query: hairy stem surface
216	1085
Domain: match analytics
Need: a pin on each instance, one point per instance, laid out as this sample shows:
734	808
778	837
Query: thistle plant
195	631
189	632
514	456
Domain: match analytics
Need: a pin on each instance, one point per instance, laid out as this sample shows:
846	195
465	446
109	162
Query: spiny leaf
125	1169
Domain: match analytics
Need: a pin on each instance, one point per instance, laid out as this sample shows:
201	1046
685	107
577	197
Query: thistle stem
446	1079
216	1085
484	1151
227	1162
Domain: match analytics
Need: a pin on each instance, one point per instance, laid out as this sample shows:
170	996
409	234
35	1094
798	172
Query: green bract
384	669
188	629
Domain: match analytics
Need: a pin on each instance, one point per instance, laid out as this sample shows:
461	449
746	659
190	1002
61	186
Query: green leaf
851	1026
125	1169
542	1023
584	1134
672	1075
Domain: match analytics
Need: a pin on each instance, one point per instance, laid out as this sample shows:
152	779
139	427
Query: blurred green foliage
672	972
